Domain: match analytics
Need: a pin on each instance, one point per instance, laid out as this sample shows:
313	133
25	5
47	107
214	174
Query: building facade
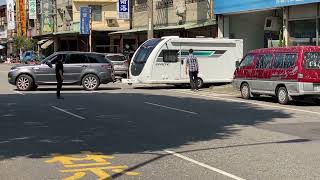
184	18
262	23
3	30
104	20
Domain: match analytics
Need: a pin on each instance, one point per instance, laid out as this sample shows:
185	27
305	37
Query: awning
129	31
42	41
159	28
47	44
66	33
198	25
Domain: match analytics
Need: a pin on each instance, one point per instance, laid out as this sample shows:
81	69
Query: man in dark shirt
59	74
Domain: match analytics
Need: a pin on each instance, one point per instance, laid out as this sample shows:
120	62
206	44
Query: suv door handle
84	66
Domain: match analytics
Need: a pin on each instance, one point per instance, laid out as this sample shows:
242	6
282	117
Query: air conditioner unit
272	24
111	21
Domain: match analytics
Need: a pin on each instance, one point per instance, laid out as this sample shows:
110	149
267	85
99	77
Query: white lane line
167	107
204	165
70	113
18	92
250	102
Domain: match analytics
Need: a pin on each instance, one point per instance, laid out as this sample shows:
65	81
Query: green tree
21	43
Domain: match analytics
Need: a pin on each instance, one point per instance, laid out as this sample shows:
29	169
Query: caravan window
168	56
145	51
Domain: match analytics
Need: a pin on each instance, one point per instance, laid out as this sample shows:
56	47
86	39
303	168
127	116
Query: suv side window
247	61
264	61
56	57
284	61
77	59
92	58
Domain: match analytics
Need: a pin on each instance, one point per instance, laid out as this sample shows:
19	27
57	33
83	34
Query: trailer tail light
107	66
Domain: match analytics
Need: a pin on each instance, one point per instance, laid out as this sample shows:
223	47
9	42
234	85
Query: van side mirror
237	64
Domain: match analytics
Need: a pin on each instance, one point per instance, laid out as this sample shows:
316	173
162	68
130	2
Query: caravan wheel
200	83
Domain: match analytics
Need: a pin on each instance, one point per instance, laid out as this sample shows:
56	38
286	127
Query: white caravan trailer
162	61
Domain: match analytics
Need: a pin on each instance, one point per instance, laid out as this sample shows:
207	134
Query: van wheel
199	83
90	82
24	83
245	91
283	96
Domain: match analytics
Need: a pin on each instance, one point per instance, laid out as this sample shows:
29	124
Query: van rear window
312	60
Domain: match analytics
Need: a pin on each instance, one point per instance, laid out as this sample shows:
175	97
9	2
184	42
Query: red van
286	73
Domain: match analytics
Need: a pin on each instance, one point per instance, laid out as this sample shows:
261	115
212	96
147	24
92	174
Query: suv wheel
90	82
24	83
283	96
245	91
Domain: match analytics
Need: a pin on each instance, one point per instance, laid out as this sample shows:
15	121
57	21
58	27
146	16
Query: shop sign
32	9
85	17
47	16
10	15
23	19
123	9
224	7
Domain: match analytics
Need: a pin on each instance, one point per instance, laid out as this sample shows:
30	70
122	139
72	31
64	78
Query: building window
96	12
302	32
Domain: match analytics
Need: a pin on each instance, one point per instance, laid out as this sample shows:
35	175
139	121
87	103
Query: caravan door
167	67
183	61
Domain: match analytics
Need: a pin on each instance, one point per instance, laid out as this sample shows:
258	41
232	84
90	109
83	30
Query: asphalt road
154	133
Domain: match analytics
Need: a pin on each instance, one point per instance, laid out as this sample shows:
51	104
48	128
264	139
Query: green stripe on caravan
203	53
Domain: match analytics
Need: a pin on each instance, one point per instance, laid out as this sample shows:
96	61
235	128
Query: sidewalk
223	89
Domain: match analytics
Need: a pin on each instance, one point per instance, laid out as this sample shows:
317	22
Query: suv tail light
107	66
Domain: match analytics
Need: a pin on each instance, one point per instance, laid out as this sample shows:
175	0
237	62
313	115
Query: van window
264	61
169	56
116	57
312	60
284	61
247	61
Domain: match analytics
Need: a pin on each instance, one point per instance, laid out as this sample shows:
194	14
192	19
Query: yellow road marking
86	165
98	168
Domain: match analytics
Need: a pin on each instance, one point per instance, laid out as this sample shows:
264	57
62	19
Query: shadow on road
116	123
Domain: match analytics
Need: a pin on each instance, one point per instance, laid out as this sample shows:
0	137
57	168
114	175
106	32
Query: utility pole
150	19
90	34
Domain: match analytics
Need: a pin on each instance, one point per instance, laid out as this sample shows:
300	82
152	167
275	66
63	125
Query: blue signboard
123	9
85	20
233	6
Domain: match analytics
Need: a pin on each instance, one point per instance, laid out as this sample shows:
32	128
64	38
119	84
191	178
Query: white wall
249	27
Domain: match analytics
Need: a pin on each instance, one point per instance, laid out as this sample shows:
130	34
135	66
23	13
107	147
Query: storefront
303	24
271	23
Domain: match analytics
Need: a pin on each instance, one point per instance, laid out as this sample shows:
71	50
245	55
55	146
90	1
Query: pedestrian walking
59	75
192	67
